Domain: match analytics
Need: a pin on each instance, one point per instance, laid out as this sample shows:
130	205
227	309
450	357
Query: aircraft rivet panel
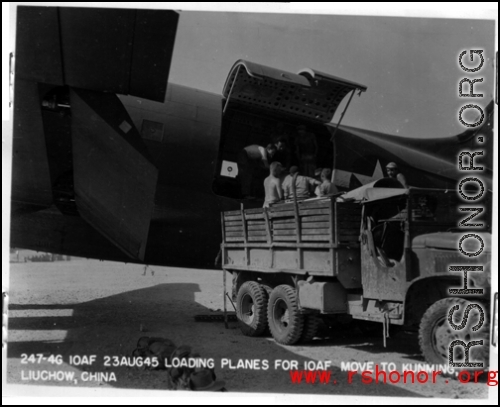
270	89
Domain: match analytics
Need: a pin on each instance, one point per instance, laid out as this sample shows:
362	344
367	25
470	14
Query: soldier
326	188
393	172
283	154
303	184
252	160
272	185
307	151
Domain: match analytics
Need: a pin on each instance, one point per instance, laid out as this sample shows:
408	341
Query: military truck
377	254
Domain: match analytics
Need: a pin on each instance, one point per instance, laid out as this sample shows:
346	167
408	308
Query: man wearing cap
393	172
307	151
303	184
252	160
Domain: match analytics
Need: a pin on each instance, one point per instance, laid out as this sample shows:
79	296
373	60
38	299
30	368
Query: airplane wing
74	144
469	140
361	156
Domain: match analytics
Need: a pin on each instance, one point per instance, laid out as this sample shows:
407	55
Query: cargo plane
112	161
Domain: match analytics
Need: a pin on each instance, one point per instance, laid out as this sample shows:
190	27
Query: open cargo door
114	180
262	105
309	94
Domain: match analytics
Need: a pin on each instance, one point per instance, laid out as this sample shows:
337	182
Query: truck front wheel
435	334
252	308
286	323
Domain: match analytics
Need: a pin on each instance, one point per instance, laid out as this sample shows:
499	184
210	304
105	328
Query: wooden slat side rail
245	235
251	216
256	227
333	240
256	222
234	229
257	233
293	232
275	244
233	218
231	213
305	225
254	216
305	238
257	238
332	221
253	211
245	232
278	226
223	227
233	223
275	209
304	219
296	214
268	227
234	239
235	234
223	250
303	212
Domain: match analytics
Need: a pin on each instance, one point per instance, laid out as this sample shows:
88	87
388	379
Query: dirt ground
87	307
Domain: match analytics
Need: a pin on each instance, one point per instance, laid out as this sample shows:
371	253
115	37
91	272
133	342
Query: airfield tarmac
88	307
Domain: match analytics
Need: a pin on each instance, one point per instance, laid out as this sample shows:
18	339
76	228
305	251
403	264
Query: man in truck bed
303	185
272	185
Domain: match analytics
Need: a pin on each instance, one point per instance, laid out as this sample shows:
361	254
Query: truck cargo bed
315	236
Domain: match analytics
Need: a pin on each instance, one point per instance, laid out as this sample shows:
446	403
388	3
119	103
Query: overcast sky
410	65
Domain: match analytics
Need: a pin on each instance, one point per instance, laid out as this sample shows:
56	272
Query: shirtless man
272	185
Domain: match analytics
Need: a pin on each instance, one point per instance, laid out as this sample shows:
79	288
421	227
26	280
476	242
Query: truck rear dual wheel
311	326
435	334
286	323
252	308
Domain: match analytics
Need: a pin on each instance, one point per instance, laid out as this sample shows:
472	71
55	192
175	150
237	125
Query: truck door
383	244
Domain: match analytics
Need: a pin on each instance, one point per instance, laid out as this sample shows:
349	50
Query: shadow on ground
111	326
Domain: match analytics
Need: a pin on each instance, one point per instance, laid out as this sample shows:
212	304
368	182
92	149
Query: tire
311	326
286	323
435	334
252	308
